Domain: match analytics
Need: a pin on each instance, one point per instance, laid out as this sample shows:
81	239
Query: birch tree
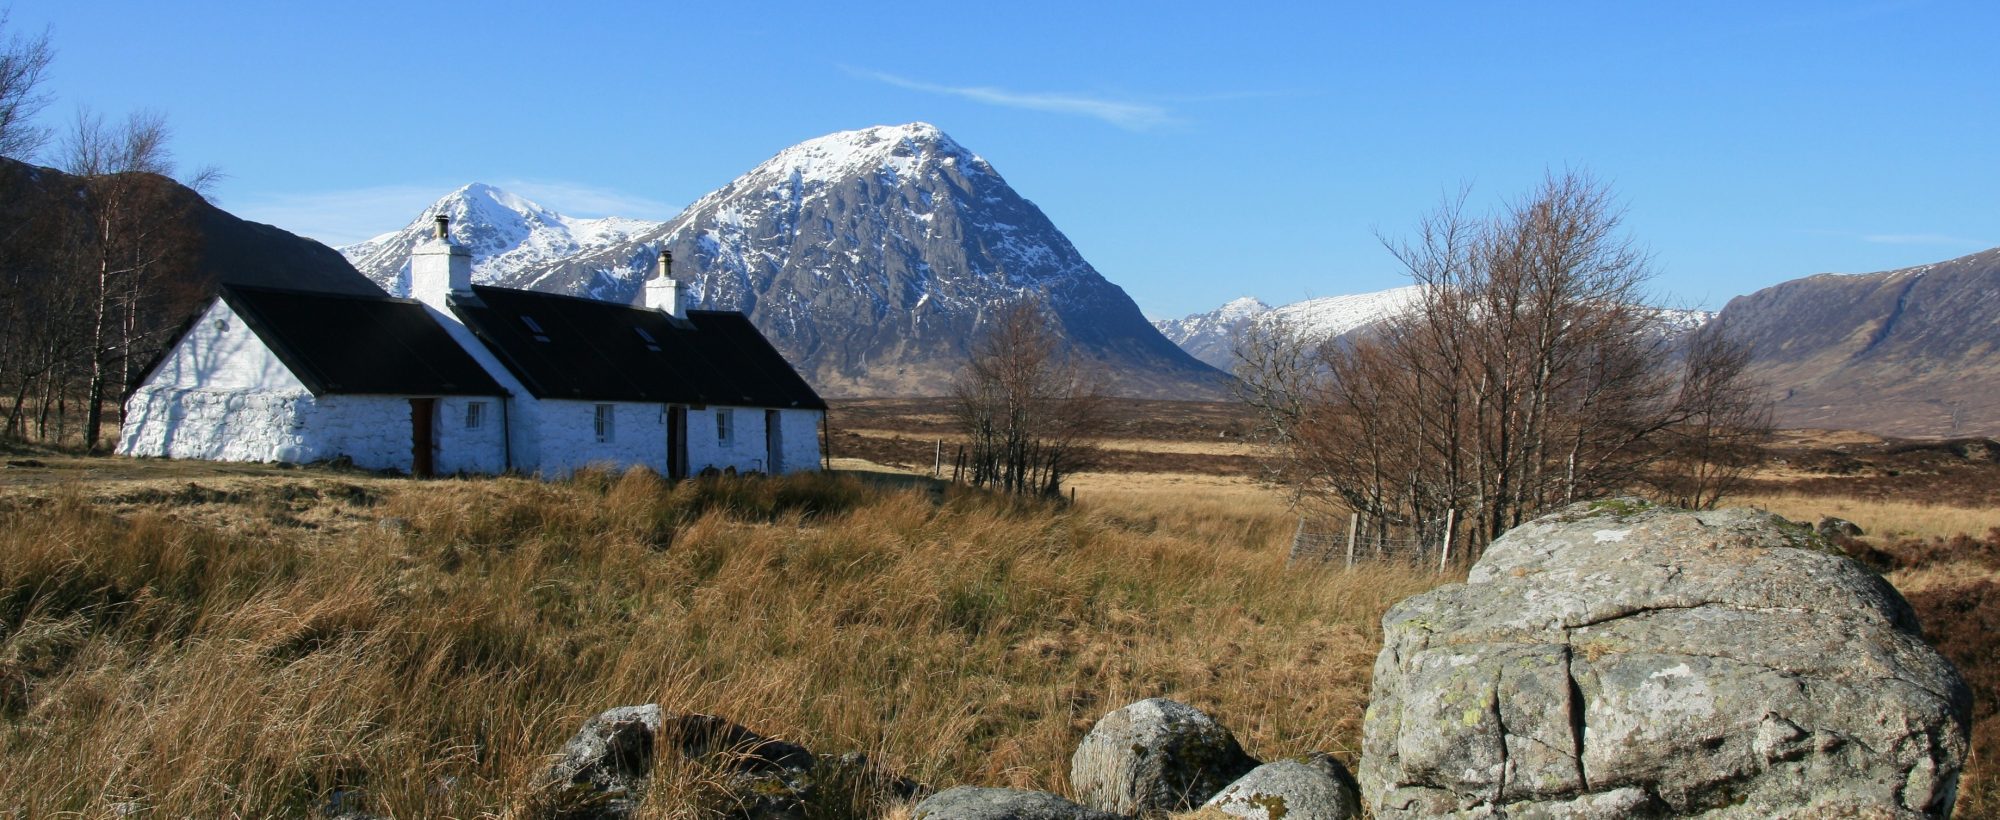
1528	376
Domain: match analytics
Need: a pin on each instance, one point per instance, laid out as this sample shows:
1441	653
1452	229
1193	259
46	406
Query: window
475	415
652	344
535	327
604	424
725	424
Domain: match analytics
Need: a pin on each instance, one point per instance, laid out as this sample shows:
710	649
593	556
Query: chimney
439	267
661	292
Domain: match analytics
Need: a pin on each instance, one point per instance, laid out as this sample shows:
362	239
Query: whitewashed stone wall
373	431
459	449
218	425
567	437
220	394
798	432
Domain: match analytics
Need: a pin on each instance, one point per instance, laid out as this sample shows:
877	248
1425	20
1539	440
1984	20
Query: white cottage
475	379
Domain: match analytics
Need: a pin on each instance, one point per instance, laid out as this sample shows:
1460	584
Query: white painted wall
567	435
744	450
219	425
220	352
460	449
374	431
798	432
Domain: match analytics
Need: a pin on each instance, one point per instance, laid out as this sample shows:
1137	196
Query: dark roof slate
359	344
565	347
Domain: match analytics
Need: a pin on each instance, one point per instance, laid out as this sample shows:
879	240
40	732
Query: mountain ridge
872	258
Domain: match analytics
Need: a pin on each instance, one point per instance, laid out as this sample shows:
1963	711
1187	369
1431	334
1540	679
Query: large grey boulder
975	803
1315	789
1153	757
1617	659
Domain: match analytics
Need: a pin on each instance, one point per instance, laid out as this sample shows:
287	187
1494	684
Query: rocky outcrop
1318	788
1153	757
977	803
1617	659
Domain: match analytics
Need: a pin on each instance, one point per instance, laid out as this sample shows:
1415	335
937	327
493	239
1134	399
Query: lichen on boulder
1618	659
1154	757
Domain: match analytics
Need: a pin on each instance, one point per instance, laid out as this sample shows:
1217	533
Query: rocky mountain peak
871	258
892	149
505	232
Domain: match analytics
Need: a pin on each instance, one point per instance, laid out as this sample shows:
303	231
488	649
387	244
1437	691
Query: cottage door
423	412
773	444
677	442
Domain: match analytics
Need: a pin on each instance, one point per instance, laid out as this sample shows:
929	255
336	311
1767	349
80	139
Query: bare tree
134	240
1526	377
24	61
1026	409
1722	428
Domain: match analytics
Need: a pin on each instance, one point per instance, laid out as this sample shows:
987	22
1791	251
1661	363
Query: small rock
1318	788
976	803
1831	528
393	525
1154	757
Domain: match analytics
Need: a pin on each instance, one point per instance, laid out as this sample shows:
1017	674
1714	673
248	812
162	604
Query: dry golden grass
1881	519
152	656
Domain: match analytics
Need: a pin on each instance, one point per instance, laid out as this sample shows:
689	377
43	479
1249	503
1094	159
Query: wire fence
1322	543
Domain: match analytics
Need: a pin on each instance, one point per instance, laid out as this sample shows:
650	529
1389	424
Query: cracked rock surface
1617	659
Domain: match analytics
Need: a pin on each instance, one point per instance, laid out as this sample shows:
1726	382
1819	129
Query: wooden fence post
1353	530
1444	557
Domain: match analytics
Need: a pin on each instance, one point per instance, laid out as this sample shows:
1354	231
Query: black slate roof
337	343
564	347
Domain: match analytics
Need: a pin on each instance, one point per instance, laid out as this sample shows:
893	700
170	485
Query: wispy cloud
1135	116
1925	239
355	215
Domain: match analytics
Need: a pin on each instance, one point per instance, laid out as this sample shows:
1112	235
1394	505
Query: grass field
190	639
247	650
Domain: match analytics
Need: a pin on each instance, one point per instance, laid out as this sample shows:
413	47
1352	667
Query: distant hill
872	259
230	249
1910	352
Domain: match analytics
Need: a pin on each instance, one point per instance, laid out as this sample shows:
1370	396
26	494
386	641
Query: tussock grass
430	666
1882	519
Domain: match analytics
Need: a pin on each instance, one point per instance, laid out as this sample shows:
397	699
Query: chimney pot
666	264
443	223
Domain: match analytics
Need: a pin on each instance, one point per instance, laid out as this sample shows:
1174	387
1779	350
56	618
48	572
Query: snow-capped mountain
507	234
1211	337
1328	317
873	258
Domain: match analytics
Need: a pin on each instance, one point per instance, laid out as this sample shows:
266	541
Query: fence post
937	461
1353	530
1450	520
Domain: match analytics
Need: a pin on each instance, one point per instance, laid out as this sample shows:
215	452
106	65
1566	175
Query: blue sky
1193	152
